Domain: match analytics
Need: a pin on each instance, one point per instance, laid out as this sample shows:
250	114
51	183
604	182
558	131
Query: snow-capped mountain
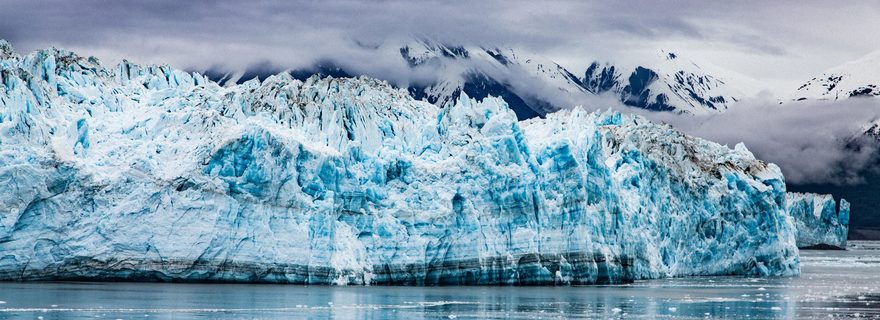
856	79
140	172
533	85
859	78
665	82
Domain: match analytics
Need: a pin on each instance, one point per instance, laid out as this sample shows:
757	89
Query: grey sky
780	43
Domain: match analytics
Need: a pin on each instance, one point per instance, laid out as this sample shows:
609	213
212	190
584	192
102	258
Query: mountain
138	172
859	78
855	79
666	82
532	85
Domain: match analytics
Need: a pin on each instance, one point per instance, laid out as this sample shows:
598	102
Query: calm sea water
832	284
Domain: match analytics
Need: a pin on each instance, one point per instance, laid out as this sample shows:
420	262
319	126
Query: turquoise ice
151	173
818	219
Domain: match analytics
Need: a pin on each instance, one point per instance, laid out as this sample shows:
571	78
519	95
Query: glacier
818	220
151	173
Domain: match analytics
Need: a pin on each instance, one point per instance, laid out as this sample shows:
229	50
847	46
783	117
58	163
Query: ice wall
151	173
818	220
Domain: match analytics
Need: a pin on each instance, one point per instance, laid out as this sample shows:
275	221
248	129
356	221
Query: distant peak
424	50
857	78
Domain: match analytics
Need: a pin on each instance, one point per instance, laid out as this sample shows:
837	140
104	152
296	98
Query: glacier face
818	220
151	173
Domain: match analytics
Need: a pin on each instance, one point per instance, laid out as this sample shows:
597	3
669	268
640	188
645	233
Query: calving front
151	173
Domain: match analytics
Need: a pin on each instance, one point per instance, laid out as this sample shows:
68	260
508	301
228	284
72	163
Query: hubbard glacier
818	220
146	172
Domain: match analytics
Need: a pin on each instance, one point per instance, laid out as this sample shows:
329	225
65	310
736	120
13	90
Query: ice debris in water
152	173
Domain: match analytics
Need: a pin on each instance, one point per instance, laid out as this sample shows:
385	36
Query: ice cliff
818	221
151	173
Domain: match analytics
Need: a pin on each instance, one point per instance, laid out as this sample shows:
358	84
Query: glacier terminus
146	172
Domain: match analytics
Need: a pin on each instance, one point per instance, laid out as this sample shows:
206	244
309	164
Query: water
833	283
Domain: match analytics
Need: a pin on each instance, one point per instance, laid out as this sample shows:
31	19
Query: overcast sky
780	43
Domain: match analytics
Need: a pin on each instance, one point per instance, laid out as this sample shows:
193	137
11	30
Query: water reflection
836	283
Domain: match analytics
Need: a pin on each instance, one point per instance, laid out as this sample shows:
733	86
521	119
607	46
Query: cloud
811	141
783	42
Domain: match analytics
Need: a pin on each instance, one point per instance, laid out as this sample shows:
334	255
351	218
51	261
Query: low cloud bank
812	141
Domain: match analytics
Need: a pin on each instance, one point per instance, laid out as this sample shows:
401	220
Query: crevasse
152	173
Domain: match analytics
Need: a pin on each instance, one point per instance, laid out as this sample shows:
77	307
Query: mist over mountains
533	85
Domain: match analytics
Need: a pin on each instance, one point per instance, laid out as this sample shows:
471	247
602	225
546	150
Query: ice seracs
819	222
150	173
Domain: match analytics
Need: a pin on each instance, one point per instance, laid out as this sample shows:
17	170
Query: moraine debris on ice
151	173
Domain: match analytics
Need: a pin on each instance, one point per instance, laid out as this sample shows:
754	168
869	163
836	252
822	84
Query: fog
811	141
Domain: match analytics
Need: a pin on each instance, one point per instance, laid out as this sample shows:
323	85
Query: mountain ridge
533	85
